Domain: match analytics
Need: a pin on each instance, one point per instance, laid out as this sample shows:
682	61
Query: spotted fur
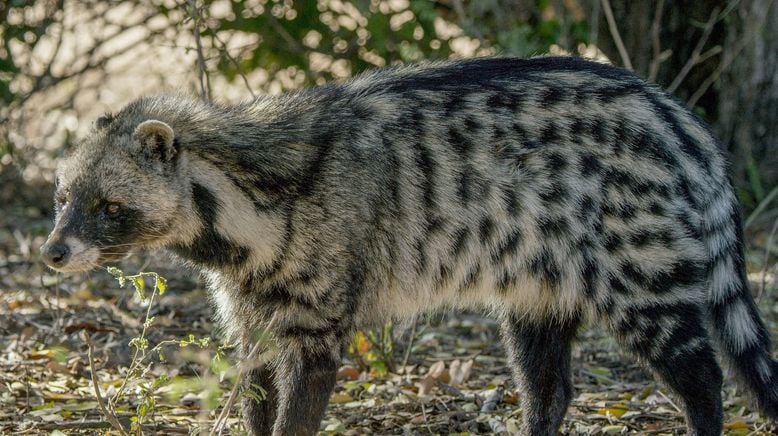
545	192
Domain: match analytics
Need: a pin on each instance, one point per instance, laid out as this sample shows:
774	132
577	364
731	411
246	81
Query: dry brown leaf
57	367
460	372
438	372
41	354
617	410
419	419
436	369
348	373
340	398
737	424
426	385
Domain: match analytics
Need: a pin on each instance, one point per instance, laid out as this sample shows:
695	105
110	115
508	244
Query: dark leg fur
674	342
305	379
260	415
695	378
540	356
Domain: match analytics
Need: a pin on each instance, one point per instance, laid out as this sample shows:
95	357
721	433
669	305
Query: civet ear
157	139
103	120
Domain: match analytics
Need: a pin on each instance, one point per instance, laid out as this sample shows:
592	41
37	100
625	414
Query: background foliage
59	57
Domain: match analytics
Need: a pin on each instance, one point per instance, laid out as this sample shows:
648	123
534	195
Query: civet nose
55	254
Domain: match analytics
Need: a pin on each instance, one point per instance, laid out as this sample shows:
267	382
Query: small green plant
207	385
374	350
140	365
139	375
148	402
140	343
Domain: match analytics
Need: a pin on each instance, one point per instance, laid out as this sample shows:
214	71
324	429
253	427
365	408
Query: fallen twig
107	413
84	425
672	403
410	344
61	425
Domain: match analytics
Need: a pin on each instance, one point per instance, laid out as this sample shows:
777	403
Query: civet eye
113	209
61	198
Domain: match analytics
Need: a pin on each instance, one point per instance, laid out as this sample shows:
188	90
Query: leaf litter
456	380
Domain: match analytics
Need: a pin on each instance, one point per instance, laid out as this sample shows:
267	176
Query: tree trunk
748	109
736	89
681	28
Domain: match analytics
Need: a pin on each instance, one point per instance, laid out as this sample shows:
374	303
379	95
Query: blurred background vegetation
63	62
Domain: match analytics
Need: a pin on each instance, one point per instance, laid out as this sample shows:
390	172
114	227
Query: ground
455	378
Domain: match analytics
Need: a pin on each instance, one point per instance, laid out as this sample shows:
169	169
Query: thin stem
205	83
410	344
766	259
136	359
732	54
761	207
695	58
234	62
606	6
100	402
244	366
656	43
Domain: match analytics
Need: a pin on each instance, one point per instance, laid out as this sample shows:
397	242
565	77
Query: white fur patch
741	330
724	280
226	312
238	220
82	257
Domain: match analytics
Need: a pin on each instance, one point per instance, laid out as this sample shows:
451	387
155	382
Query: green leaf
142	409
220	365
379	367
188	340
255	392
161	284
140	287
755	179
140	343
160	381
116	272
43	406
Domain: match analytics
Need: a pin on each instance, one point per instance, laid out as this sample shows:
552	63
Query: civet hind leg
539	354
